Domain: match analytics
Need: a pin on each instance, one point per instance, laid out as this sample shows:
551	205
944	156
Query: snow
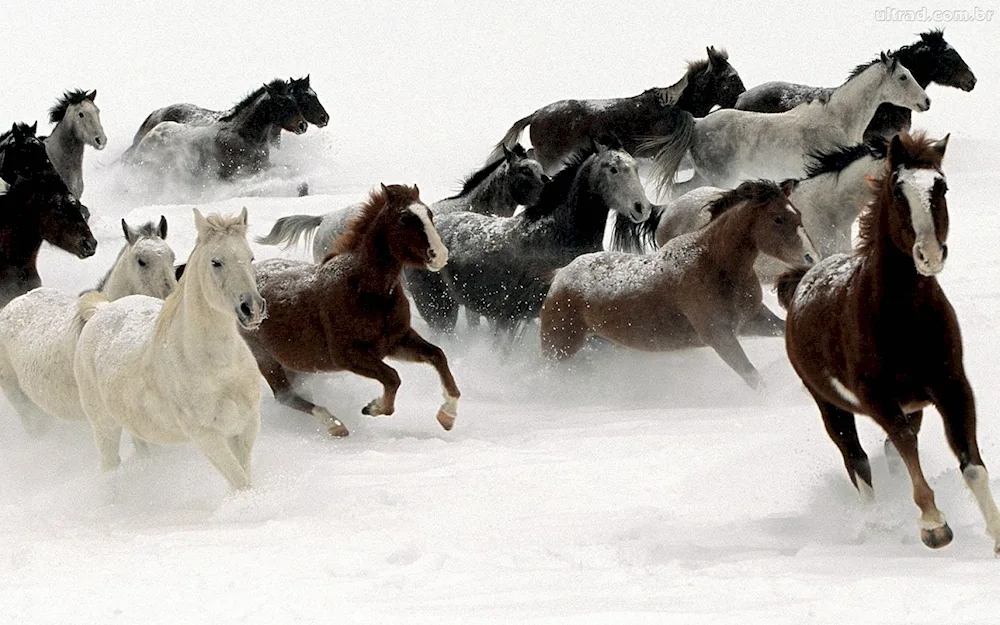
618	487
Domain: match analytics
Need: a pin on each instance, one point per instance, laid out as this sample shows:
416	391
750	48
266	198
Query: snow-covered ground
621	487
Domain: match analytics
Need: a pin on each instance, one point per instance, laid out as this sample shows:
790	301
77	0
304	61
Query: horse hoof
337	429
446	420
937	537
375	409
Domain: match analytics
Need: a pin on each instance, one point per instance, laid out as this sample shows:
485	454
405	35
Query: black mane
838	159
931	41
69	98
280	85
555	192
478	177
756	191
24	128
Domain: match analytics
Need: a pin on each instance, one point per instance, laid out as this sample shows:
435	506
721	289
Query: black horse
930	60
22	154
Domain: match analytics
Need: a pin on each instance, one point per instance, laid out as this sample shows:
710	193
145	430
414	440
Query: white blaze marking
807	244
918	184
844	392
433	238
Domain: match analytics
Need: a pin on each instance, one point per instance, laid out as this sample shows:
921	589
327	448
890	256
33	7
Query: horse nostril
809	259
431	254
927	103
944	252
245	309
638	207
546	179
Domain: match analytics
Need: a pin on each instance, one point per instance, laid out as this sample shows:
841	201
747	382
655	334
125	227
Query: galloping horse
38	335
730	145
561	128
500	267
873	333
930	60
233	146
178	370
349	312
194	115
699	289
78	123
36	209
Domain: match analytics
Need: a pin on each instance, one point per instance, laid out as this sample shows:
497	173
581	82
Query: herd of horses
779	175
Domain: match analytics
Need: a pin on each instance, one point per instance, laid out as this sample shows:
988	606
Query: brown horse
873	333
349	312
698	289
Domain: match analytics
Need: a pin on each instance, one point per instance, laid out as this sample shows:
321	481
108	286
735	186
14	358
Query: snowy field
620	487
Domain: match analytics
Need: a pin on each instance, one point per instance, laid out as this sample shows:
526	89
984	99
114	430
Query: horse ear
787	186
416	189
507	154
942	145
897	153
708	51
307	80
268	89
130	235
34	127
385	189
163	227
243	216
200	223
92	95
15	131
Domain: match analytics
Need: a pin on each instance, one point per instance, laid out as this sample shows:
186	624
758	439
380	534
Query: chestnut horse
698	289
349	312
873	333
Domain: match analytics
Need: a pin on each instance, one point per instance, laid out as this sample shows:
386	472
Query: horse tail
786	284
668	150
86	306
628	236
511	138
288	230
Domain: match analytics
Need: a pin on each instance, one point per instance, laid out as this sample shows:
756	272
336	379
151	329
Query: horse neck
919	60
119	283
493	192
583	215
887	268
63	146
692	98
254	124
729	241
376	270
854	104
20	229
838	196
190	325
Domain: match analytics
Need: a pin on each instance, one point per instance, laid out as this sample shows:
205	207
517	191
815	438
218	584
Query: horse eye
779	219
80	114
216	263
614	169
142	263
902	78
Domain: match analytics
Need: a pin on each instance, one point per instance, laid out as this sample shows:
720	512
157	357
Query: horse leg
108	439
720	336
432	299
140	446
562	329
242	444
366	364
414	348
934	530
35	420
892	457
216	448
472	318
843	431
763	323
958	409
277	378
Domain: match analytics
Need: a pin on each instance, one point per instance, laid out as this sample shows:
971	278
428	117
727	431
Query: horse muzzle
251	311
437	259
100	142
87	248
301	127
929	259
640	212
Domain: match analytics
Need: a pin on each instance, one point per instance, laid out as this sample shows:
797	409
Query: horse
349	312
236	145
930	60
729	145
500	267
699	289
22	155
38	335
873	333
194	115
178	370
36	209
829	197
77	123
561	128
496	189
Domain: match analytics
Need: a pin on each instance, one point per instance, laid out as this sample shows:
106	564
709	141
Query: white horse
78	123
38	335
730	145
178	370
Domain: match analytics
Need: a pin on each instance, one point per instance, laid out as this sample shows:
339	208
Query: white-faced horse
731	145
78	123
38	335
178	370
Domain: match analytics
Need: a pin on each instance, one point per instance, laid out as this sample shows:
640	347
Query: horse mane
919	152
146	230
22	127
476	178
280	85
554	192
364	219
68	99
838	159
749	191
696	67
